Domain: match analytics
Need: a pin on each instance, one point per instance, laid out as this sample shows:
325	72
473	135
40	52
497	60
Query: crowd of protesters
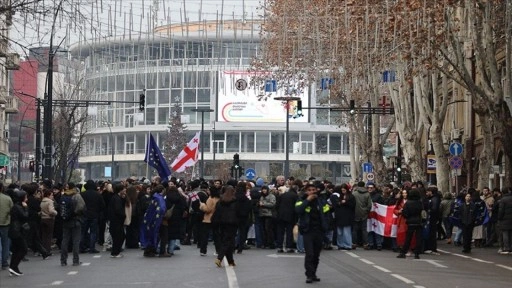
288	215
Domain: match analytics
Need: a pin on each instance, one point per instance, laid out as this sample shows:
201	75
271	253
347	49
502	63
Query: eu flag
155	159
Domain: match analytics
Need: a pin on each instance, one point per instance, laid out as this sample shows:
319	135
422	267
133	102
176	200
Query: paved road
258	268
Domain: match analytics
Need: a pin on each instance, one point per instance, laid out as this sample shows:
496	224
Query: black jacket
344	213
225	213
285	206
116	212
94	204
505	212
412	212
19	216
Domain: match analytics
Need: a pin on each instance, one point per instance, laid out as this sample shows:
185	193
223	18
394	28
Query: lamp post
112	150
19	147
287	136
202	110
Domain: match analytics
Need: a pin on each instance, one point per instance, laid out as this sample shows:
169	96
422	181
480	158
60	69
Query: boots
449	241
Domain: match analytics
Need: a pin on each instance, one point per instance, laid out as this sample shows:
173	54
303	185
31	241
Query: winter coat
176	225
48	209
78	200
19	219
446	205
208	208
226	213
94	203
412	212
285	207
116	211
244	206
432	205
5	209
267	207
505	212
363	203
344	213
467	213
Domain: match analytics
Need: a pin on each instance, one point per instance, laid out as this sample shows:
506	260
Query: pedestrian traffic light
352	107
142	102
31	166
236	160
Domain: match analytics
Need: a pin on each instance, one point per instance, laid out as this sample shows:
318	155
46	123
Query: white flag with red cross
382	220
187	156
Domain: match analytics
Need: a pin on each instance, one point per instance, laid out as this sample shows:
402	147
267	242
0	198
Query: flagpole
147	149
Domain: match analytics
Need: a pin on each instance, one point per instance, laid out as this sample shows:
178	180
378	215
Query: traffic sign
250	173
456	162
367	167
456	148
370	176
240	84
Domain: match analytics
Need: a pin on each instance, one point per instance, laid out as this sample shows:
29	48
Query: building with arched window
198	65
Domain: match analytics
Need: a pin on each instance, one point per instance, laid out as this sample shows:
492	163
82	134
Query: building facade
202	65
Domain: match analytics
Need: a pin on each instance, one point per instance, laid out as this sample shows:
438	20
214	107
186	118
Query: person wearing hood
71	227
18	230
363	206
95	206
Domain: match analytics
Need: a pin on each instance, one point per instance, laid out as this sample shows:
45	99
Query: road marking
56	283
230	273
407	281
460	255
353	254
86	264
367	261
72	272
433	262
418	286
483	261
96	256
382	269
285	256
503	266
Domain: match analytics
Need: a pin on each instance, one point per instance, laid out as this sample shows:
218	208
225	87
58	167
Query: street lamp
112	148
287	137
202	110
19	146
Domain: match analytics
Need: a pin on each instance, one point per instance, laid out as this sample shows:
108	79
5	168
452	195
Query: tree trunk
503	124
486	157
411	155
442	166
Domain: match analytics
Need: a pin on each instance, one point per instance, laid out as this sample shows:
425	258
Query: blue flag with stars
155	159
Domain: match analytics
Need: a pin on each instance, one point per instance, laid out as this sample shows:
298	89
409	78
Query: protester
18	230
72	206
412	213
6	205
48	214
225	217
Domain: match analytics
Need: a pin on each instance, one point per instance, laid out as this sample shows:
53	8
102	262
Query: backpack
67	207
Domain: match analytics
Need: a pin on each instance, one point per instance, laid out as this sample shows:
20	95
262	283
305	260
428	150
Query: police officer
313	223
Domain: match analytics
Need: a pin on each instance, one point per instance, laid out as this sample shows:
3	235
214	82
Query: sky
91	19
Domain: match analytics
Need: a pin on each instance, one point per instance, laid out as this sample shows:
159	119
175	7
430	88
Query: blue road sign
456	148
250	173
456	162
367	167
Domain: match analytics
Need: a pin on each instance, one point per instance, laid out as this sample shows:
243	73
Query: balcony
3	95
12	61
11	106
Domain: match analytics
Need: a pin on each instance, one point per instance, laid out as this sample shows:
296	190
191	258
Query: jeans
300	243
89	234
258	231
344	239
4	247
458	235
375	240
173	243
71	230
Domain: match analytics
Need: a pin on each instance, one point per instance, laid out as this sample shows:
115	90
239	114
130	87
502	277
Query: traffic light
236	160
31	166
142	101
299	108
352	107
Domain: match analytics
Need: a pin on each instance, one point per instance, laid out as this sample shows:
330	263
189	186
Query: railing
11	105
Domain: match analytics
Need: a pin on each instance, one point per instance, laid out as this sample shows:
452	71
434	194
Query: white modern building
202	65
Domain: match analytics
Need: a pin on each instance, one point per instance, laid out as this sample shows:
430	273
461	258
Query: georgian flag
382	220
187	156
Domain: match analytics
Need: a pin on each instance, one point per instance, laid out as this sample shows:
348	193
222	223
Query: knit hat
260	182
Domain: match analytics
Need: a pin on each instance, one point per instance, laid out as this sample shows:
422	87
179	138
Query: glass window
140	142
345	148
163	115
163	80
306	136
151	79
321	143
120	144
247	142
322	117
150	116
140	82
294	143
130	83
262	142
189	79
189	95
120	82
193	117
150	97
334	144
277	142
232	142
176	96
203	79
206	142
203	95
176	79
163	96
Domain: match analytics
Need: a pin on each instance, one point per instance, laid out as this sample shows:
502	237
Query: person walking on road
505	220
226	219
313	223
